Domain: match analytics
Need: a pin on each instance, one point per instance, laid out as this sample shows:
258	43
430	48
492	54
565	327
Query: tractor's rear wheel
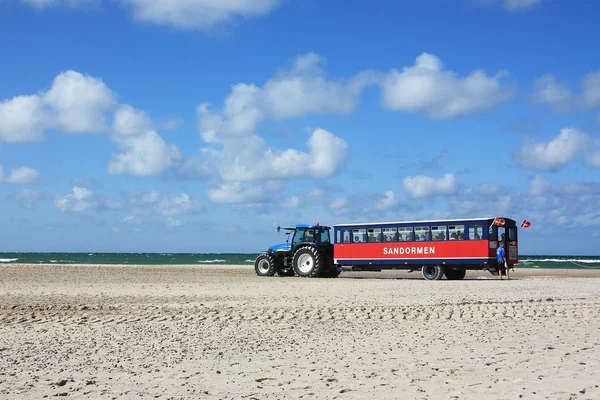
432	272
455	274
264	265
308	262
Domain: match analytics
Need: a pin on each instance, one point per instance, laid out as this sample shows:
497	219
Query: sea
527	261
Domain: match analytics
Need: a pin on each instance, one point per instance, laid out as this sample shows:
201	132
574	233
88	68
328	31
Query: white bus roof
418	222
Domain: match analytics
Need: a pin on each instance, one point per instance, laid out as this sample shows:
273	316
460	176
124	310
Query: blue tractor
309	254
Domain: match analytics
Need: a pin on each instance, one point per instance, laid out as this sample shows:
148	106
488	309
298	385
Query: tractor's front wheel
308	262
264	265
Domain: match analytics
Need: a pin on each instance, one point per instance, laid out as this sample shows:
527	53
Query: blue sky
201	125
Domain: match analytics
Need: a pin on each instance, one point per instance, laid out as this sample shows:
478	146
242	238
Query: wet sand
221	332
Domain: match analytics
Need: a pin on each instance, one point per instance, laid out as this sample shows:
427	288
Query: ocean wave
249	261
7	260
211	261
563	260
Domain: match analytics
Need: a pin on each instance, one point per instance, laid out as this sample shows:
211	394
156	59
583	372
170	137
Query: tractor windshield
311	235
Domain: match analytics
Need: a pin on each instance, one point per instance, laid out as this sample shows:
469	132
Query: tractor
309	254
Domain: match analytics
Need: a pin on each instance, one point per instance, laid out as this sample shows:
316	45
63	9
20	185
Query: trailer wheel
264	265
432	272
332	272
455	274
308	262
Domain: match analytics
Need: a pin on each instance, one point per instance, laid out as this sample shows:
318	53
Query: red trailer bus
441	247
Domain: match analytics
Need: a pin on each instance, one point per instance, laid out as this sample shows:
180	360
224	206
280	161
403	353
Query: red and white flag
525	224
499	221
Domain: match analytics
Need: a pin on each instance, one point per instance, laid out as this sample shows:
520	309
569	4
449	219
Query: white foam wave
7	260
562	260
249	261
211	261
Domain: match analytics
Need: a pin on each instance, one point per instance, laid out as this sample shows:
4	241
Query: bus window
493	232
389	234
456	232
374	235
422	233
512	234
405	234
475	232
438	233
338	236
346	236
359	235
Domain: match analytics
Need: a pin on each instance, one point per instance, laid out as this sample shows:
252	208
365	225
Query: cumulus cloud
130	121
549	92
132	220
28	197
23	119
75	103
172	223
169	205
79	102
197	14
144	155
519	5
19	175
390	201
236	193
301	90
567	146
591	89
426	87
80	200
421	186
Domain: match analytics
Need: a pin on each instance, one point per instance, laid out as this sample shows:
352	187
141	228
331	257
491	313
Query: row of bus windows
410	234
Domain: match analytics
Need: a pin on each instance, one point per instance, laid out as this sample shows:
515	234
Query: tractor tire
264	265
285	271
308	262
432	272
455	274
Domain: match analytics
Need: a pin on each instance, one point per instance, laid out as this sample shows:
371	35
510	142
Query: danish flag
525	224
499	221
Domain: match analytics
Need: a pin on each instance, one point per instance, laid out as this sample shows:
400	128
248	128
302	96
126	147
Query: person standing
501	259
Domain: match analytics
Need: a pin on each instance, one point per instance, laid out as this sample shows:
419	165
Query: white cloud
79	102
172	223
22	119
389	202
28	197
132	220
421	186
144	155
518	5
197	14
301	90
250	159
81	200
548	91
20	175
426	88
75	103
178	205
565	147
40	4
591	89
129	121
236	193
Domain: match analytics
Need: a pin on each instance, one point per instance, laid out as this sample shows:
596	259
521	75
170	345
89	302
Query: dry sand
222	332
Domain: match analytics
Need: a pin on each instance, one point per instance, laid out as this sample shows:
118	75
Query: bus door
342	243
508	235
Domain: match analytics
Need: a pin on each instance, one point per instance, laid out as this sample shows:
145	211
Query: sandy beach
186	332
